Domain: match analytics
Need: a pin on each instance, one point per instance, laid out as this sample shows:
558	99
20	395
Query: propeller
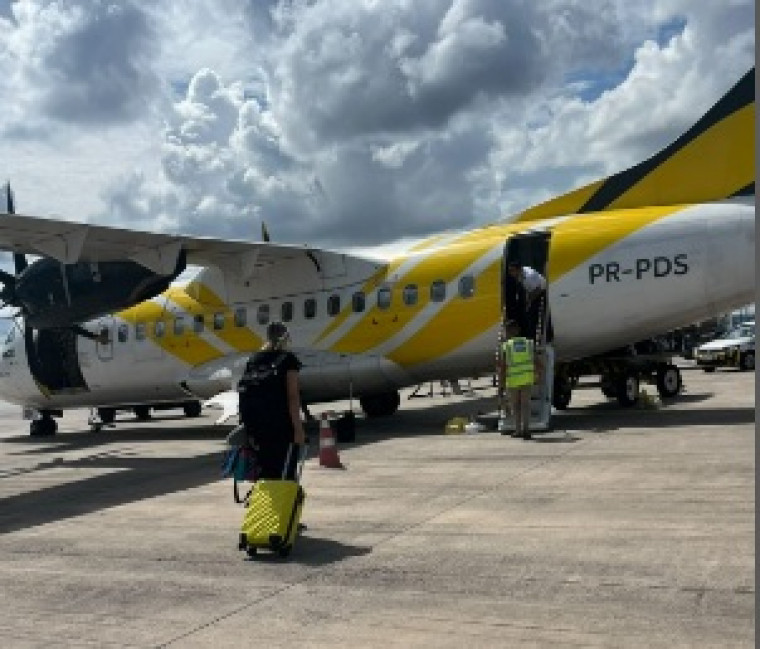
8	292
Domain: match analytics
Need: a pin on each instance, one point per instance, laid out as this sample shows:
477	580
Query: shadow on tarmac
314	552
137	478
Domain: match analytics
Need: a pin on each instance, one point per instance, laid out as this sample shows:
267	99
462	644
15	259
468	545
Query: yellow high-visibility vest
518	356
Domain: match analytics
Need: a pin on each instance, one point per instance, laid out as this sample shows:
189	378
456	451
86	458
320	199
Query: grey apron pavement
620	528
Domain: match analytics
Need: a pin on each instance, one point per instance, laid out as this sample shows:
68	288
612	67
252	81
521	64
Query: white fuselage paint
619	295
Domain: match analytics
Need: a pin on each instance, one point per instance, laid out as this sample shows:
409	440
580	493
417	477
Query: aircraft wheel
142	412
668	381
562	393
380	405
107	415
45	427
628	390
192	409
747	361
608	387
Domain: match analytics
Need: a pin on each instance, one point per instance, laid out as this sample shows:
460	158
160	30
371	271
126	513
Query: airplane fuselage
361	327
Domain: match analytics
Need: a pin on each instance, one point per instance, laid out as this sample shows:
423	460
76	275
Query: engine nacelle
51	294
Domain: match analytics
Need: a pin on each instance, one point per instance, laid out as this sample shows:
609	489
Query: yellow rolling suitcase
273	513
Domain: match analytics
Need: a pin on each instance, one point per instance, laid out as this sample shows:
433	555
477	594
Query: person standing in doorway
533	285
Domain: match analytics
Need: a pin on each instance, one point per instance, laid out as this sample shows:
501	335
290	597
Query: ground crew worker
521	370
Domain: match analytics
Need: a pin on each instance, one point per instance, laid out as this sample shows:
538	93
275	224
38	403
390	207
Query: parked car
733	349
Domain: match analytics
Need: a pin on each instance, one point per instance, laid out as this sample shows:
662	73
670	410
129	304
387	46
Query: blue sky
345	123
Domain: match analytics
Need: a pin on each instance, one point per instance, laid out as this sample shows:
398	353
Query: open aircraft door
530	249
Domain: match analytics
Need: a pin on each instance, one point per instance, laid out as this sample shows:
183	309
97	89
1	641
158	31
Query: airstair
541	392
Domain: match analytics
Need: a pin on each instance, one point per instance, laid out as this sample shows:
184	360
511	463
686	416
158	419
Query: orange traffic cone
328	445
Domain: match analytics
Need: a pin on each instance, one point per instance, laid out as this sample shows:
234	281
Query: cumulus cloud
340	122
78	63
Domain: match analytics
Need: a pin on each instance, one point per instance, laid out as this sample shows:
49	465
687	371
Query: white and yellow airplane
658	246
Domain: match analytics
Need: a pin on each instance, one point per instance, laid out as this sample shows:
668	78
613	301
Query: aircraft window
122	333
438	291
241	317
410	294
179	326
139	331
333	305
262	315
358	302
310	307
384	297
199	323
218	321
467	286
286	311
159	329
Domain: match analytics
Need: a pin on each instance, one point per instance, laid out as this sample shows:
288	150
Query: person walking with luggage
270	404
521	369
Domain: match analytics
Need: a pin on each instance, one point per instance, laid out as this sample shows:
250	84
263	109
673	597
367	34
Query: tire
284	551
107	415
608	388
142	412
562	393
192	409
628	390
747	362
708	369
45	427
380	405
668	381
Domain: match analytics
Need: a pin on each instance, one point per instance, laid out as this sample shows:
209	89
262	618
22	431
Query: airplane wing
71	242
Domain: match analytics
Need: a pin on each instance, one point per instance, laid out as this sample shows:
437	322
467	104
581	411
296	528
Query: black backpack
260	377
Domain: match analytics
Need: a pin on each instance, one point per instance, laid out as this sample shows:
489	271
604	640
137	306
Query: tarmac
619	528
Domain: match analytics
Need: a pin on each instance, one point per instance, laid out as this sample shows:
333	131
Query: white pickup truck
734	349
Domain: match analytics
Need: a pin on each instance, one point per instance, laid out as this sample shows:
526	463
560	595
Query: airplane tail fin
713	160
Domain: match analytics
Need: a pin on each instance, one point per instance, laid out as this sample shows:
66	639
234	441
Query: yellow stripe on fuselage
581	237
371	284
187	347
208	303
574	240
378	325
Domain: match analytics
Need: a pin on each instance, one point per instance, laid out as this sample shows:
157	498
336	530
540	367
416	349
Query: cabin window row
198	323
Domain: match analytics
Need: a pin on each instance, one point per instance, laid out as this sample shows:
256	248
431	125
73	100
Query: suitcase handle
304	451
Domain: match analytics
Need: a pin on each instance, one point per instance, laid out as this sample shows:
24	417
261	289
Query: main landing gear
380	405
45	426
621	378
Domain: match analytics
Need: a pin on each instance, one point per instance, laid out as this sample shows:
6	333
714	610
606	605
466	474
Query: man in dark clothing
270	404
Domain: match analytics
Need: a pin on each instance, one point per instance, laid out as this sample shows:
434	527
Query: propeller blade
19	260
